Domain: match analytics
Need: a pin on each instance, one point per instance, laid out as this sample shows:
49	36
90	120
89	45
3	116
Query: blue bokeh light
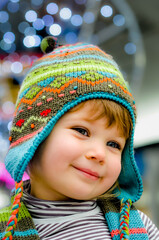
65	13
13	7
106	11
32	41
7	47
29	41
48	20
52	8
71	37
76	20
31	16
130	48
37	40
29	31
9	37
12	49
16	67
4	16
38	24
22	26
55	29
89	17
119	20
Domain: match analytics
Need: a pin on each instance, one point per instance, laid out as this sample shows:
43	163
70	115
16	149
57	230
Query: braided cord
12	222
124	219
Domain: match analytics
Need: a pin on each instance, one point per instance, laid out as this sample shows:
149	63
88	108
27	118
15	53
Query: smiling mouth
88	173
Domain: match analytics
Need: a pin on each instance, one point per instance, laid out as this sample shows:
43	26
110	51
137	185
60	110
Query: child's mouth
88	173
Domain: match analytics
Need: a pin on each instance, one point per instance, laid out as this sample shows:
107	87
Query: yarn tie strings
124	219
12	222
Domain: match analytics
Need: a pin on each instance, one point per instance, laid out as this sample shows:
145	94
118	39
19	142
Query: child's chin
82	197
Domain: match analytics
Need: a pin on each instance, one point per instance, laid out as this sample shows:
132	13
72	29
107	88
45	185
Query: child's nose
97	153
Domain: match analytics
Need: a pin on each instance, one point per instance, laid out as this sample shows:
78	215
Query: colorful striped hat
56	82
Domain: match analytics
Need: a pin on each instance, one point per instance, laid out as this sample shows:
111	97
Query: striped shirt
69	220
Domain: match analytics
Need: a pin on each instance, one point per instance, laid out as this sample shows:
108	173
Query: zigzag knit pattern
62	76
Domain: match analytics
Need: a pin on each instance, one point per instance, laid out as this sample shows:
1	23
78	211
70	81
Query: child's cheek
66	147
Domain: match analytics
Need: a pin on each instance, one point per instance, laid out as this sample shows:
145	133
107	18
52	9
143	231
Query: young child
73	132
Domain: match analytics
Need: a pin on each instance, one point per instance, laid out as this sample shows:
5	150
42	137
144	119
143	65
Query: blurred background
129	30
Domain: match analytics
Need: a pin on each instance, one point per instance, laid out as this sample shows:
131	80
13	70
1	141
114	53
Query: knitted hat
56	82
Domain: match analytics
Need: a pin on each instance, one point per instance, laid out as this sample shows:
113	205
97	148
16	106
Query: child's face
81	159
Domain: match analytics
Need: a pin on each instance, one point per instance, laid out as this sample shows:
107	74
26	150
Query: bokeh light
37	40
71	37
55	29
5	46
106	11
32	41
6	66
29	31
52	8
8	107
16	67
76	20
9	125
119	20
89	17
31	16
65	13
9	37
12	48
130	48
29	41
4	16
13	7
38	24
48	20
25	60
22	26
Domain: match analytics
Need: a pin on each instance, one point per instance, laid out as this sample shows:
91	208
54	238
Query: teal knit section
136	226
46	82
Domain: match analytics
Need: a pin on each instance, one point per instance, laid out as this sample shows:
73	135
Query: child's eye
81	130
114	145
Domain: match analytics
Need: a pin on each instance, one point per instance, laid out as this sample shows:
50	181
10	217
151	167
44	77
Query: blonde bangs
115	113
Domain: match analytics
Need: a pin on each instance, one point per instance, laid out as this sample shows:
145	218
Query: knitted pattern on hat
61	77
